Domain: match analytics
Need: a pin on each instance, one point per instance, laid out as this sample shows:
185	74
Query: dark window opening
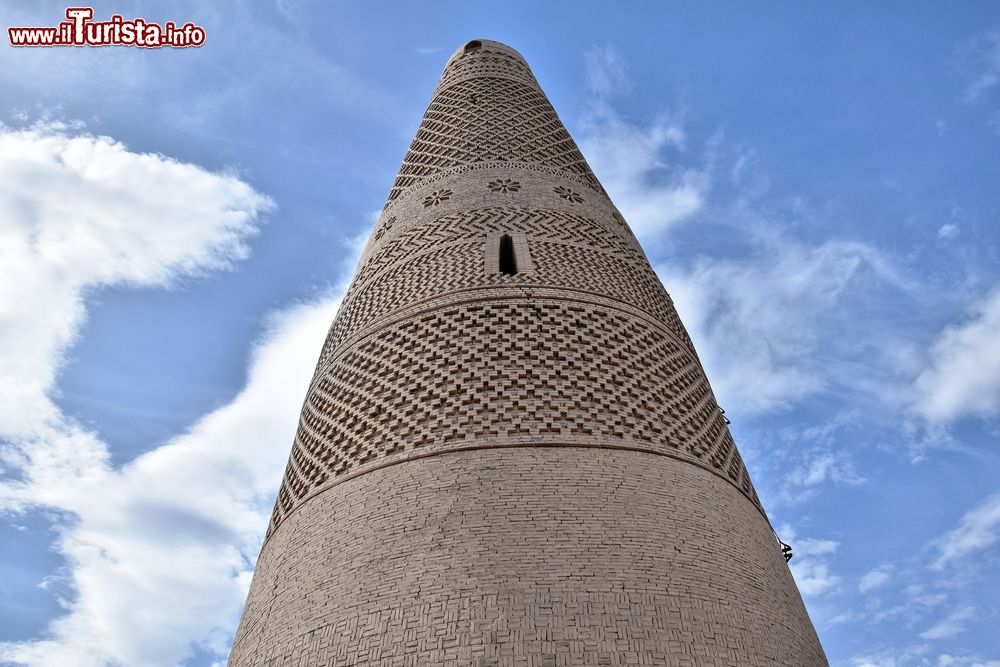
474	45
508	262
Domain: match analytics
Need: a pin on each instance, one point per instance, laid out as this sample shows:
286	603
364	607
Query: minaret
509	454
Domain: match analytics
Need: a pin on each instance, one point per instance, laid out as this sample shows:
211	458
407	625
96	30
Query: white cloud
875	578
948	230
810	564
912	656
884	660
631	159
950	625
978	529
962	377
916	605
761	323
77	212
606	72
946	660
159	551
811	568
825	466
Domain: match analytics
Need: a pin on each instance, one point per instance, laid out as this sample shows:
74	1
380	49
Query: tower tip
484	45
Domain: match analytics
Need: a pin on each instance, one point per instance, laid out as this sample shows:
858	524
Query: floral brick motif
436	197
504	186
385	228
572	196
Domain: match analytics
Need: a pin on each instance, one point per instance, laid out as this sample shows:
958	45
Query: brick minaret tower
509	454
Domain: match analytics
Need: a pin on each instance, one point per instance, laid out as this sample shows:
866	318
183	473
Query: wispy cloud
771	320
977	530
987	68
935	594
876	578
950	625
911	604
739	309
962	377
639	163
740	313
773	315
652	193
825	466
797	464
946	660
607	72
910	656
948	230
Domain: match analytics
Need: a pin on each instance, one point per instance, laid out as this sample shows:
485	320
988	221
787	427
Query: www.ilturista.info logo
80	30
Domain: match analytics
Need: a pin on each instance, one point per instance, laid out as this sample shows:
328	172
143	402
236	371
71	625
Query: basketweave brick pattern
497	468
526	557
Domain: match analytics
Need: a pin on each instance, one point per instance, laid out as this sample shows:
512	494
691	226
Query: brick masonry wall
527	556
527	469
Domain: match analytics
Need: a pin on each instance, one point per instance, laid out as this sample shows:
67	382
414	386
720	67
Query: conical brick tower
509	453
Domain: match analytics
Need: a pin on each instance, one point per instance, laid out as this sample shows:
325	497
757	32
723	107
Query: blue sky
815	184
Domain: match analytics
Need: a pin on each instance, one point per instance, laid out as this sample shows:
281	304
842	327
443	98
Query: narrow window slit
508	262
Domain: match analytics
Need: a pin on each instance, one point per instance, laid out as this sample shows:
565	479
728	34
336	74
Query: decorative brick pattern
474	224
493	61
507	369
485	119
571	196
509	454
569	251
503	185
524	557
461	266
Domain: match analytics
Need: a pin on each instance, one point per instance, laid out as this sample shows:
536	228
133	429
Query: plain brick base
526	556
